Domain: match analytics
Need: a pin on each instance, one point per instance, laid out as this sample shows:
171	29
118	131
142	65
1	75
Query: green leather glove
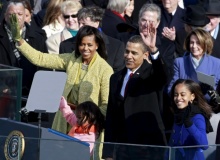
15	29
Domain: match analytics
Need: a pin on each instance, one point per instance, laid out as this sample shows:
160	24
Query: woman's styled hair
27	5
53	11
70	5
118	5
205	40
90	112
90	31
194	88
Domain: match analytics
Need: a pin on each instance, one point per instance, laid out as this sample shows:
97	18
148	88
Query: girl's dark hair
194	88
89	111
89	31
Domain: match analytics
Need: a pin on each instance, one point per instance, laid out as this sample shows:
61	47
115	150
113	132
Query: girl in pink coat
87	121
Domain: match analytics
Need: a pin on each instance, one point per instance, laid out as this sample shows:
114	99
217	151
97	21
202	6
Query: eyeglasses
68	16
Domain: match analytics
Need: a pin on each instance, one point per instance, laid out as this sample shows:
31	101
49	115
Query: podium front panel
56	146
31	144
41	143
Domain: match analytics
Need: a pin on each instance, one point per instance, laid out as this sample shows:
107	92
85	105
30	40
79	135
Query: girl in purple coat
191	124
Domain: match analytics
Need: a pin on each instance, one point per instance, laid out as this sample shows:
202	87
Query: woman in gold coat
87	71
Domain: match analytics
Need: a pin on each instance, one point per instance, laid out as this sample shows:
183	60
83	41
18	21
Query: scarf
179	116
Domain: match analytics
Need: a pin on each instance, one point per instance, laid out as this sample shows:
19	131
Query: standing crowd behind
132	70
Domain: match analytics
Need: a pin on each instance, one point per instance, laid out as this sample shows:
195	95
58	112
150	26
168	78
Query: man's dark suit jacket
36	39
136	118
109	23
175	21
115	50
216	47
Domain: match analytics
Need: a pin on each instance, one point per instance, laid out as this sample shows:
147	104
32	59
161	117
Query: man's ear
146	56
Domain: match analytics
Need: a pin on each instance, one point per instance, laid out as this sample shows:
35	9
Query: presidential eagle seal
14	146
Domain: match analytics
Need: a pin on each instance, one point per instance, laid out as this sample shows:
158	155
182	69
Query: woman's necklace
84	67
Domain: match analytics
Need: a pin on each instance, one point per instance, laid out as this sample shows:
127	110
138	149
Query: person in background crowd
53	20
191	124
171	15
213	13
30	19
28	11
92	16
39	5
114	14
128	12
9	55
128	25
39	15
69	11
137	6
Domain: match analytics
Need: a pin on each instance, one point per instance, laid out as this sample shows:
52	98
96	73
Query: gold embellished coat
94	86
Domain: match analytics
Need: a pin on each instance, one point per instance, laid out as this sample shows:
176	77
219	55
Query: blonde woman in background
69	11
53	20
128	12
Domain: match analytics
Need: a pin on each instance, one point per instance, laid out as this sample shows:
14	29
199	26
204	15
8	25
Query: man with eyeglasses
92	16
69	11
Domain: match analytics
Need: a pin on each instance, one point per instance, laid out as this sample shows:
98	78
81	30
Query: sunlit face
146	19
88	22
182	96
170	5
71	22
87	48
17	9
134	55
129	10
214	22
27	16
195	47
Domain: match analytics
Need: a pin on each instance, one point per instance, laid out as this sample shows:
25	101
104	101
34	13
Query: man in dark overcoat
9	55
134	106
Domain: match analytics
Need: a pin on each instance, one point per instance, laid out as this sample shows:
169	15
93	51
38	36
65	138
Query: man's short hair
151	8
93	12
138	39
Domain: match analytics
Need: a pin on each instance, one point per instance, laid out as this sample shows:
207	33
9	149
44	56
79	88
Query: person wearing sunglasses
69	11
